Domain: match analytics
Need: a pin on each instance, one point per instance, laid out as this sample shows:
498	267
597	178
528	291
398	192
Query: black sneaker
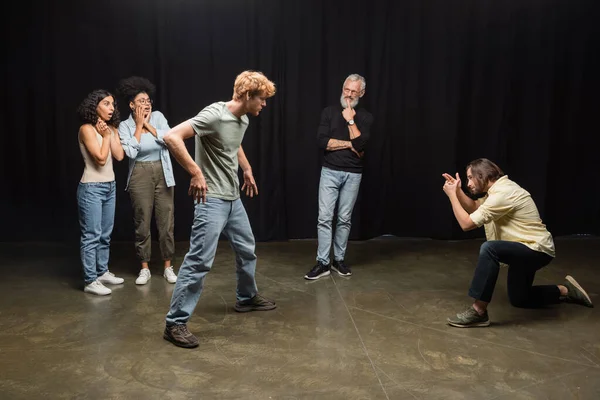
469	318
180	336
341	268
575	293
320	270
257	303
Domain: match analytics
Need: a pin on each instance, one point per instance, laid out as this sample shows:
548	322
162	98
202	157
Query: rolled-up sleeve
162	127
323	134
364	127
493	208
130	144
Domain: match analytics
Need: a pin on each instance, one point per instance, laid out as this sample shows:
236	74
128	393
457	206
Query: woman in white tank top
96	193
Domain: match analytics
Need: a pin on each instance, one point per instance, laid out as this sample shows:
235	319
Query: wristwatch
351	122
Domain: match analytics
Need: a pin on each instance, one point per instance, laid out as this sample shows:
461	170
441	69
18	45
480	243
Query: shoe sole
573	282
110	283
96	293
339	273
178	344
142	283
168	281
477	325
250	308
321	275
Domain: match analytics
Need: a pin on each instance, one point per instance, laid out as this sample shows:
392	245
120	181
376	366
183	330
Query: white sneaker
170	275
110	278
144	277
98	288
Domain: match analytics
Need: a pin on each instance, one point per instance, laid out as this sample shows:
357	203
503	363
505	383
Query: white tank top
93	172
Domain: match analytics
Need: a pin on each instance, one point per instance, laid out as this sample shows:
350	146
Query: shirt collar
498	183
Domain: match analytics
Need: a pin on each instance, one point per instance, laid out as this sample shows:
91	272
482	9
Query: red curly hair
252	83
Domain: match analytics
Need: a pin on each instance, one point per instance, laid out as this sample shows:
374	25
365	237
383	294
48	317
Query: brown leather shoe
257	303
180	336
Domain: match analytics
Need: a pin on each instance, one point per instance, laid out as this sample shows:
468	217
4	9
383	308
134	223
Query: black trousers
523	263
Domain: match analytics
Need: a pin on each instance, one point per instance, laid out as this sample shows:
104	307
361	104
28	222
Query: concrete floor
380	334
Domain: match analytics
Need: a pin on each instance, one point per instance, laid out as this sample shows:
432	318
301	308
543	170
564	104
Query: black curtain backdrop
448	81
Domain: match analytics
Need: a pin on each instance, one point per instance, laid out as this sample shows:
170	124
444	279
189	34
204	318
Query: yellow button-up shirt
509	213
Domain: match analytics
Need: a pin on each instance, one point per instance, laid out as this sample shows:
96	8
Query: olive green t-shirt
219	136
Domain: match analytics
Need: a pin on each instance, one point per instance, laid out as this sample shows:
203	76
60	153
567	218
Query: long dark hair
87	109
484	171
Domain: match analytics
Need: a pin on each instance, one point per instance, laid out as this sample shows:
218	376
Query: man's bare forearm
335	144
461	215
466	202
177	148
243	160
354	132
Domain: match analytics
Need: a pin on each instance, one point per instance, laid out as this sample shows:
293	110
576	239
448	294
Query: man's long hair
484	171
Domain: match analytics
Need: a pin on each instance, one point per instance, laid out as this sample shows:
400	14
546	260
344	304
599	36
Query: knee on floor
519	301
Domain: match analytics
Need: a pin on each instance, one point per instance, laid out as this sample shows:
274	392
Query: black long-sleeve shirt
334	126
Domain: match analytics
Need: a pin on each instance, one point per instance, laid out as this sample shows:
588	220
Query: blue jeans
96	203
523	263
212	218
334	186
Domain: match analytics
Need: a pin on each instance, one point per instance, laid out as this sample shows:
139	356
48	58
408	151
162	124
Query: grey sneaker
575	293
257	303
180	336
469	318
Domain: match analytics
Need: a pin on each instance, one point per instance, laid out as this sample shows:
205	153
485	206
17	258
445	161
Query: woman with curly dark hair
150	181
98	143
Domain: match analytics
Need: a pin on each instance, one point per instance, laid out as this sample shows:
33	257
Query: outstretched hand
249	185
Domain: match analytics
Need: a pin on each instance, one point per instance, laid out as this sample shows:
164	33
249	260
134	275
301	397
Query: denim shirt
132	146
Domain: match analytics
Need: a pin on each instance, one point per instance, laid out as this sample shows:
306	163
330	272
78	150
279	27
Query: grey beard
353	103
